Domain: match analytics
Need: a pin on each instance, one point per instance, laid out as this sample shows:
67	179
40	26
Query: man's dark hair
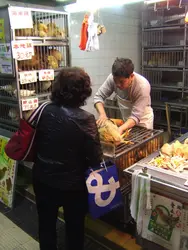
71	88
122	67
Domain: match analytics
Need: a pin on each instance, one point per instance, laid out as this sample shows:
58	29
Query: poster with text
7	175
163	223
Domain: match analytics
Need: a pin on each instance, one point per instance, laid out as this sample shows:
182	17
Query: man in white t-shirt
133	94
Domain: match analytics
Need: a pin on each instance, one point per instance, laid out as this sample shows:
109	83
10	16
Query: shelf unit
50	38
165	60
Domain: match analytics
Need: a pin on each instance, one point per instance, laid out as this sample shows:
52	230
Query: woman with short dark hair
67	144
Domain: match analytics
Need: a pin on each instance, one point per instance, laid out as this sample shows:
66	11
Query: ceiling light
153	1
91	5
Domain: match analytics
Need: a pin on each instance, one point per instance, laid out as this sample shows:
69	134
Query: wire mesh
186	80
156	96
174	16
165	79
151	18
163	37
7	89
164	58
46	57
46	25
163	17
145	143
154	77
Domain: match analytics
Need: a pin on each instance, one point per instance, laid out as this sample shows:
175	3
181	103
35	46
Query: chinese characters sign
5	59
7	175
20	18
30	104
28	77
22	50
46	75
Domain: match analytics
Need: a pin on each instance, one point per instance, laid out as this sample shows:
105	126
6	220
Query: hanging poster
7	175
2	31
163	223
5	59
20	18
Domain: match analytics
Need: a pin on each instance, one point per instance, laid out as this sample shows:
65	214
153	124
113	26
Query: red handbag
21	145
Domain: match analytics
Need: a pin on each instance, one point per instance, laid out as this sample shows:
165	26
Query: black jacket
67	144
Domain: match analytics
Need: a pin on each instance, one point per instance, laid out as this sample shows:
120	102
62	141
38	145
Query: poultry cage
22	87
143	142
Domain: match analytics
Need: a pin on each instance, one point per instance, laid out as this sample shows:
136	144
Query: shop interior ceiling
54	3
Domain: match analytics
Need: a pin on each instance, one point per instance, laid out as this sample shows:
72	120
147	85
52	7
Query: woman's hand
101	120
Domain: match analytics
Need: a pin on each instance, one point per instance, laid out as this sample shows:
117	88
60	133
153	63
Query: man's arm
103	92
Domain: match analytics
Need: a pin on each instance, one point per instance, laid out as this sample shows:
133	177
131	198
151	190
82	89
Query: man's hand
101	120
127	125
121	130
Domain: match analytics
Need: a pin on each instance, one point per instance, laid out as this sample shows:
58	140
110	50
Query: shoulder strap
37	112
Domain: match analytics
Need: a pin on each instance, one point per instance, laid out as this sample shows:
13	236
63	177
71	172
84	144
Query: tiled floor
13	238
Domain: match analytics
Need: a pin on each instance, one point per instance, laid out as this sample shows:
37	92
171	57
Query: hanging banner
163	223
22	50
2	31
28	77
7	175
20	18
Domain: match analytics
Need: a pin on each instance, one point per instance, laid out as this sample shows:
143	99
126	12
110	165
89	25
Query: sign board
8	169
20	18
46	75
28	77
5	59
30	104
22	50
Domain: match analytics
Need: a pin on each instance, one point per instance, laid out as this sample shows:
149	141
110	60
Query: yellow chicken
54	31
58	55
40	29
52	62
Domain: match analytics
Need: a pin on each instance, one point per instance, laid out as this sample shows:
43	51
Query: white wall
121	40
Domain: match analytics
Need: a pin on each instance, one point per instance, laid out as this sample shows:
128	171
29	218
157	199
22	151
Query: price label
22	50
20	18
30	104
46	75
28	77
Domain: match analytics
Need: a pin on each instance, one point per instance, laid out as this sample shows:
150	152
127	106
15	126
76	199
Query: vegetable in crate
173	157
